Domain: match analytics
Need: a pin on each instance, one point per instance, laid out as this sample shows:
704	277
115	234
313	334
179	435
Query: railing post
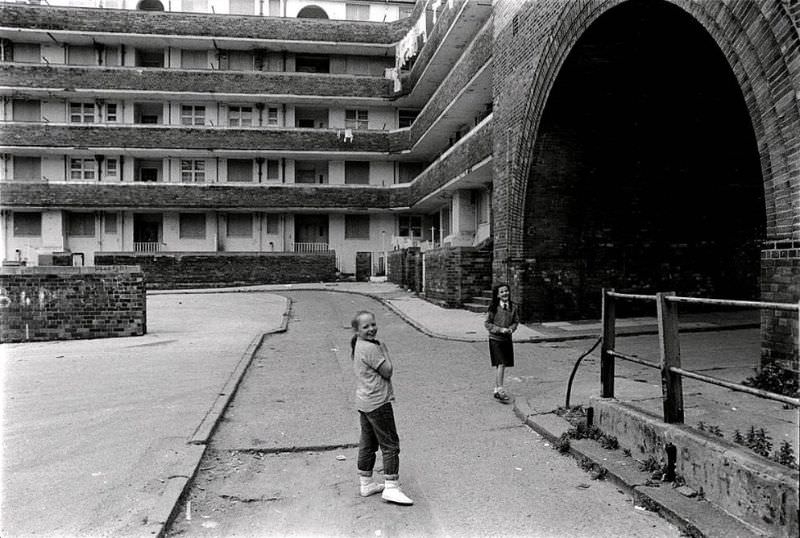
670	348
606	359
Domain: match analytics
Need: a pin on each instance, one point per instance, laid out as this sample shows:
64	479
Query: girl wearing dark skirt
502	320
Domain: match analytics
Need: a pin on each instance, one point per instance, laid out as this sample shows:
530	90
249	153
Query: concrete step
481	300
487	294
476	307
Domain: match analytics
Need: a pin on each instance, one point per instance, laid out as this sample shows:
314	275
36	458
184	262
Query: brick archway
754	39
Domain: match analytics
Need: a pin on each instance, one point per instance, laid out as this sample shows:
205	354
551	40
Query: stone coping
62	270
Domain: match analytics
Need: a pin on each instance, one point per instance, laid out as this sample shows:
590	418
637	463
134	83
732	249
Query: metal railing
309	247
672	373
146	246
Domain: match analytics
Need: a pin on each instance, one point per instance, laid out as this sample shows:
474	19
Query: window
408	171
83	169
240	60
111	113
80	224
194	59
193	115
25	110
110	222
27	53
111	56
483	206
409	225
112	169
356	119
192	225
274	8
240	116
273	170
304	63
195	6
77	55
240	170
27	224
81	112
356	172
193	171
149	58
357	12
242	7
272	117
356	226
27	167
272	224
240	225
406	117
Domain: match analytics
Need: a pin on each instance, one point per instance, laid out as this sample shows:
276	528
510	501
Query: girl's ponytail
353	346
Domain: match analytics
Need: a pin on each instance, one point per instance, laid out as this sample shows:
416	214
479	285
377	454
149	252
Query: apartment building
153	127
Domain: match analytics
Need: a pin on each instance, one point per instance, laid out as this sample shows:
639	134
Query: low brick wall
780	283
754	489
185	270
66	303
454	275
405	268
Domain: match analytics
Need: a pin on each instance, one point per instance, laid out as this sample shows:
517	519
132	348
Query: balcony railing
146	246
309	247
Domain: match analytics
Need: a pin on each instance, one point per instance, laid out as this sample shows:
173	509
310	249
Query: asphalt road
282	462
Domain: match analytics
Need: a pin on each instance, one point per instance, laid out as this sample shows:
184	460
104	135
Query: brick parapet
25	76
202	138
65	303
474	59
444	22
89	20
474	148
161	196
194	269
455	275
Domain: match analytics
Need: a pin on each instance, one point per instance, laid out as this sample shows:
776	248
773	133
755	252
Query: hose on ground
575	369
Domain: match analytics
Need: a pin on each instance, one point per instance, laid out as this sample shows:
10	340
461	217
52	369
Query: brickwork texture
66	303
185	270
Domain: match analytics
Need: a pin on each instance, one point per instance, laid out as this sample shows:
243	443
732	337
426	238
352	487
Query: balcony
161	196
308	247
32	22
204	141
256	84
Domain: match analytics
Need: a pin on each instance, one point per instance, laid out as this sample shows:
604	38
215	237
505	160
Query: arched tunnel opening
645	173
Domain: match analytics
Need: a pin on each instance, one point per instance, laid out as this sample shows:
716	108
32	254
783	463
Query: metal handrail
670	366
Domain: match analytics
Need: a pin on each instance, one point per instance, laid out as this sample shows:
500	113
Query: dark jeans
378	430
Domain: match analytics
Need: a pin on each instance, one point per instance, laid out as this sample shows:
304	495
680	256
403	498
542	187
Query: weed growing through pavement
775	378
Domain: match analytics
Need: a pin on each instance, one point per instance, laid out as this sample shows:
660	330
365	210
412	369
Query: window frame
356	119
236	115
85	173
78	224
234	217
16	225
193	170
409	226
82	114
190	114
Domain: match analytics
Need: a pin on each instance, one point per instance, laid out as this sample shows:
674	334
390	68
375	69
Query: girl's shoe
392	493
369	486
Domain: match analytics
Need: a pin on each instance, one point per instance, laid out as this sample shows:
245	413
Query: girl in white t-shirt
374	395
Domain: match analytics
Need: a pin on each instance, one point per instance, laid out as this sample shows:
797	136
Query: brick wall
780	329
218	138
454	275
186	270
220	196
532	43
174	80
405	268
66	303
193	24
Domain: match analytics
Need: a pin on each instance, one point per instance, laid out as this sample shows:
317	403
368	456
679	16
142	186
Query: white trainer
392	493
369	486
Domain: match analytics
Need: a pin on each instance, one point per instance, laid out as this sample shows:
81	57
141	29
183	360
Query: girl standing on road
502	320
374	395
